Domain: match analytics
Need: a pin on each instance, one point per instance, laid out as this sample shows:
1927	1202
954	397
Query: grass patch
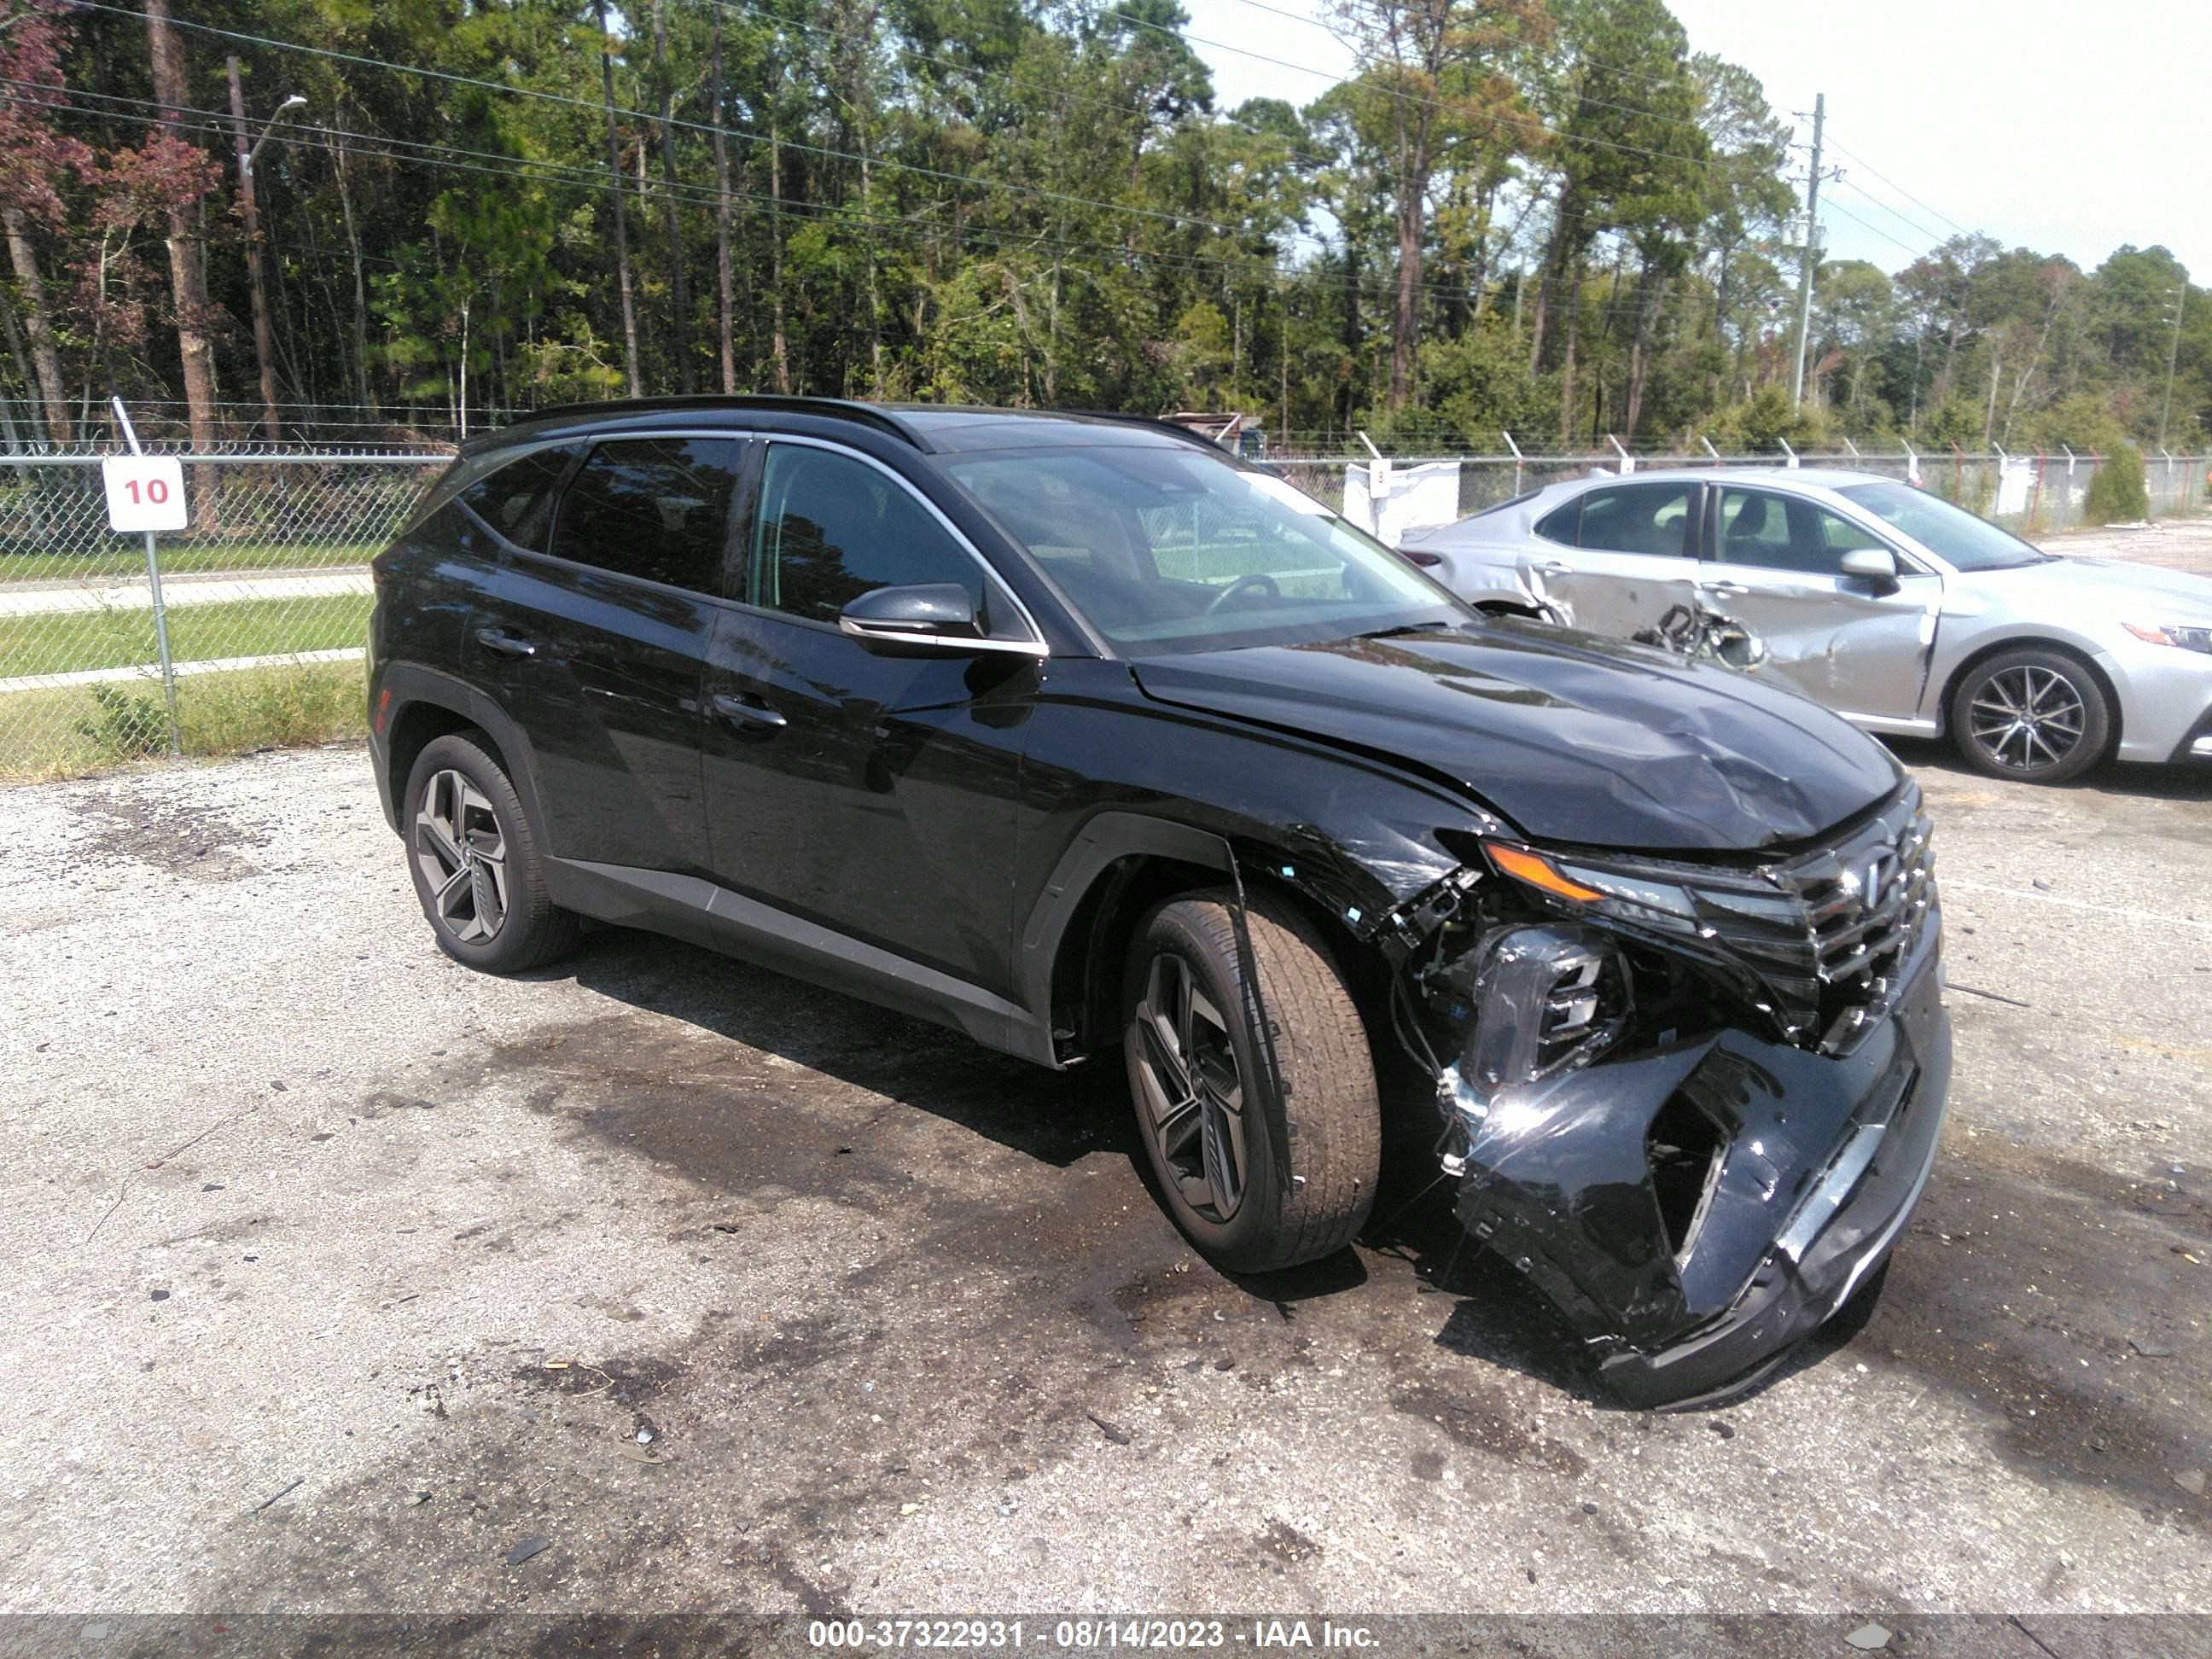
46	734
126	558
65	642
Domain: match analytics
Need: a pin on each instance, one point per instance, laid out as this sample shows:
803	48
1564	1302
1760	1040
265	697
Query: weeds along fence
265	598
266	595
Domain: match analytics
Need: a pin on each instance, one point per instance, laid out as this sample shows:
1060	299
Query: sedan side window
655	508
1784	533
832	528
1653	519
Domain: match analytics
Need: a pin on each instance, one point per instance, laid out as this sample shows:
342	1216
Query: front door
1858	647
871	793
595	647
1617	558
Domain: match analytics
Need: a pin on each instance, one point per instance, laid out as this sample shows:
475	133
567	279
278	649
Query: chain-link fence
2029	495
265	599
266	595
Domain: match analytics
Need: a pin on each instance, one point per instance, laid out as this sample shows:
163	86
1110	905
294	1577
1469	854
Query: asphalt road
336	1276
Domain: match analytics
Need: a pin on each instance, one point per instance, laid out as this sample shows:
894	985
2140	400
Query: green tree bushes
2117	493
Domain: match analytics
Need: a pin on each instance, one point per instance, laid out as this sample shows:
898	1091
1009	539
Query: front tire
474	855
2033	714
1196	1066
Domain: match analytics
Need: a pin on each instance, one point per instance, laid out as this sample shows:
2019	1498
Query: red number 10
157	491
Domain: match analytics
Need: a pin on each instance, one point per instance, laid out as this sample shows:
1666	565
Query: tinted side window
832	528
516	499
1777	532
656	507
1652	518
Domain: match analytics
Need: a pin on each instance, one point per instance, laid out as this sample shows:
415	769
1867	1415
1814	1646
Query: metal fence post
154	587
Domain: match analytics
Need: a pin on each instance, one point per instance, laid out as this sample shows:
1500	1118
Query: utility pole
1811	255
263	351
2172	356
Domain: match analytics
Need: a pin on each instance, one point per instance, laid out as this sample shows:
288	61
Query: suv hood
1570	738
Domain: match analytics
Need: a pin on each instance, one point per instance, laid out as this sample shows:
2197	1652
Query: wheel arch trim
411	685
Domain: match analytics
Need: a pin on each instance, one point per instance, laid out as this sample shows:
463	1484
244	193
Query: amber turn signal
1538	872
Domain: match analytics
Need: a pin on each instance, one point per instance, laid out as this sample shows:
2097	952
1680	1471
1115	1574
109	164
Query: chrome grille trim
1838	924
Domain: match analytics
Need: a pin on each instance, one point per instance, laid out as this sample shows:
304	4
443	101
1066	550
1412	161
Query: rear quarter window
1563	525
514	502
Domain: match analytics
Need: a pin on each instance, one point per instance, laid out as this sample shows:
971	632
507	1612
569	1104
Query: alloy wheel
2028	718
461	850
1194	1092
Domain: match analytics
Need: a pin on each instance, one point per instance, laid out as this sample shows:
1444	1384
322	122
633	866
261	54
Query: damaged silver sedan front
1693	1102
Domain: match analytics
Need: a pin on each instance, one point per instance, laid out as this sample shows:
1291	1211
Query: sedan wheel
2032	714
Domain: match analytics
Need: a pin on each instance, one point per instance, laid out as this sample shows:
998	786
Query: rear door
871	793
595	646
1861	648
1617	558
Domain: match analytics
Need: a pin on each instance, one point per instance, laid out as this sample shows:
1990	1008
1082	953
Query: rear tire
474	856
1196	1065
2033	714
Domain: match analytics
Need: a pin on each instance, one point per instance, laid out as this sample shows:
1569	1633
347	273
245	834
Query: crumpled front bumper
1691	1285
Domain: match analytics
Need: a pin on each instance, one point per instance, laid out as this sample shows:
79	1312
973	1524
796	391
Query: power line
1869	224
1906	219
599	108
1901	190
376	146
1061	101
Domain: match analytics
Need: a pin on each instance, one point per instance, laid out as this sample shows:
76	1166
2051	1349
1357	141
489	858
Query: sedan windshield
1953	535
1175	549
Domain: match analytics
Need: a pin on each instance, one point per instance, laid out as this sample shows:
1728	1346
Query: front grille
1827	932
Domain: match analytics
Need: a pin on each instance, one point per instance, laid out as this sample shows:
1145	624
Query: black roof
932	427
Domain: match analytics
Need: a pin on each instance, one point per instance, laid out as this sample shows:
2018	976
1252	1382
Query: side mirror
927	616
1871	564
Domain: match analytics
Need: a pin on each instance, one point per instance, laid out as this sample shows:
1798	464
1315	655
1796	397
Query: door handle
506	644
1556	568
1726	590
749	711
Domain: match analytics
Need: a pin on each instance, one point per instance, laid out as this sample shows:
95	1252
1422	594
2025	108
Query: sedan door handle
506	644
748	712
1556	568
1726	590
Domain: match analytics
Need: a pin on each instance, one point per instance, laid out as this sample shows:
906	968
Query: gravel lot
336	1272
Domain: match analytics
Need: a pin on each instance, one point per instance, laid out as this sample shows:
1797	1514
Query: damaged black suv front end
1693	1100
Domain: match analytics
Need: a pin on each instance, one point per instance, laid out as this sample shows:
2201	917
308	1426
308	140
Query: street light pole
2173	357
264	350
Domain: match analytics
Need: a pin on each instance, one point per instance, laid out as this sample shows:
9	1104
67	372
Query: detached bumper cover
1696	1211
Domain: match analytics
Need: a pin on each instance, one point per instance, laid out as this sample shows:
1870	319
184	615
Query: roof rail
834	407
1150	422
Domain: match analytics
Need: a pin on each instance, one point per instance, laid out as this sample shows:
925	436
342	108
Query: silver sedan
1901	612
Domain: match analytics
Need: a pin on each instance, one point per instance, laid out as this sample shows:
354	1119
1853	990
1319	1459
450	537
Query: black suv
1074	732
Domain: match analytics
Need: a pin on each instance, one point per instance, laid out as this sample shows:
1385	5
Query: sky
2050	126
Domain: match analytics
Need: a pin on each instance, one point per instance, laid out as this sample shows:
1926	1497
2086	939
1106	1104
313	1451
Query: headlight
2188	638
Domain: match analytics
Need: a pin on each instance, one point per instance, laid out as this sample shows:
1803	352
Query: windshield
1953	535
1175	549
